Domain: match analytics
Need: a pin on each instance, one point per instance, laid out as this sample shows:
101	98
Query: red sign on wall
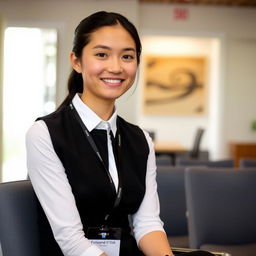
180	13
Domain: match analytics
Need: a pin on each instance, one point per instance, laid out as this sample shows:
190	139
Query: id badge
106	238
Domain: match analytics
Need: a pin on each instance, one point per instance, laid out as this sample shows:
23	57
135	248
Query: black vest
89	181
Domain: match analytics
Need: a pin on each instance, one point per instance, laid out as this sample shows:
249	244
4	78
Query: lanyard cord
95	149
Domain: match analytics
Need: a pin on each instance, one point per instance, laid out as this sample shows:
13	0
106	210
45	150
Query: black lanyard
97	152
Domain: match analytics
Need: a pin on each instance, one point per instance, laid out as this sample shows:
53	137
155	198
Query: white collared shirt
53	190
93	121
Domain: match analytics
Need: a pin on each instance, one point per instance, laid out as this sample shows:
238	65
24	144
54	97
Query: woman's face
108	64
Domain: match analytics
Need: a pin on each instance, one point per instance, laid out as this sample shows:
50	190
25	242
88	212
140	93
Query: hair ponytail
75	85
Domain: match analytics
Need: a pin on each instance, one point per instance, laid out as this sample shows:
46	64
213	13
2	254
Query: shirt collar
91	119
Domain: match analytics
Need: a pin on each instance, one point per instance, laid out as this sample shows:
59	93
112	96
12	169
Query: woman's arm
155	243
148	227
53	190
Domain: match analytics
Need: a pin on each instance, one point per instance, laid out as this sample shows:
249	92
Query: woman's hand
103	254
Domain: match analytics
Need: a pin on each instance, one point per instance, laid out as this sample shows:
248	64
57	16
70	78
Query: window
28	91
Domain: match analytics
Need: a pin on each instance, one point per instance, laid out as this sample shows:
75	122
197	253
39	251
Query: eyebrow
109	48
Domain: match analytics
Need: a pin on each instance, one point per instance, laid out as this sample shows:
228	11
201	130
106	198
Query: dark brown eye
101	54
128	57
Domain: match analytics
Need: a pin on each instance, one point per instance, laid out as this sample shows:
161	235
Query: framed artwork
174	85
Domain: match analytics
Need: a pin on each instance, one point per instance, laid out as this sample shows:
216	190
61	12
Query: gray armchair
206	163
163	160
221	205
247	162
171	191
18	227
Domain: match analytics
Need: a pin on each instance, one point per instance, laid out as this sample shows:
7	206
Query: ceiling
240	3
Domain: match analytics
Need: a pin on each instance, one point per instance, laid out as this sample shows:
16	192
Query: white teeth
113	81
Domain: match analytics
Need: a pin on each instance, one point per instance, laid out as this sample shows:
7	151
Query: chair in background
18	221
206	163
221	207
171	191
163	160
195	152
197	142
246	162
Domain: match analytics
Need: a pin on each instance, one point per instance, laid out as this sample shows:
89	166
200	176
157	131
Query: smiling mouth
113	82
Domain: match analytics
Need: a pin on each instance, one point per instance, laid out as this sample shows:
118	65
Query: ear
75	62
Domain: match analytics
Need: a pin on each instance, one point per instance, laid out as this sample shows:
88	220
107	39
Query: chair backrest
163	160
246	162
18	219
204	155
197	142
171	191
221	205
193	162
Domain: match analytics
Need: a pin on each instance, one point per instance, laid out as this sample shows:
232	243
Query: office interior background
225	35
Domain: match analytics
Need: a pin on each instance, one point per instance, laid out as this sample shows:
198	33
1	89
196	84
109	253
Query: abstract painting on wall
175	85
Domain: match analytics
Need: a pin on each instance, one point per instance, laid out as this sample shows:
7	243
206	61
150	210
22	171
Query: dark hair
82	38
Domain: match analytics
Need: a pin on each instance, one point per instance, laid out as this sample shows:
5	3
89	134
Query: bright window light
28	91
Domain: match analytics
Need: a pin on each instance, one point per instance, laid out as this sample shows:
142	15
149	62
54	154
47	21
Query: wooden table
240	150
170	148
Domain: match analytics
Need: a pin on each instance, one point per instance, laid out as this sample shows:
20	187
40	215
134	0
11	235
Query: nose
115	66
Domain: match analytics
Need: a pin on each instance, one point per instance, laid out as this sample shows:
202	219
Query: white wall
231	31
241	88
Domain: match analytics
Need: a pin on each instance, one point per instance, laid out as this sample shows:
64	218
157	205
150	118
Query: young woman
91	169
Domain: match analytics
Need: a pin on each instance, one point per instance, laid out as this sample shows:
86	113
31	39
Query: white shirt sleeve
53	190
147	219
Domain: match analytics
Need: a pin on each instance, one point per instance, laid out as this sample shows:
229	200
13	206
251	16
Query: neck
103	108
